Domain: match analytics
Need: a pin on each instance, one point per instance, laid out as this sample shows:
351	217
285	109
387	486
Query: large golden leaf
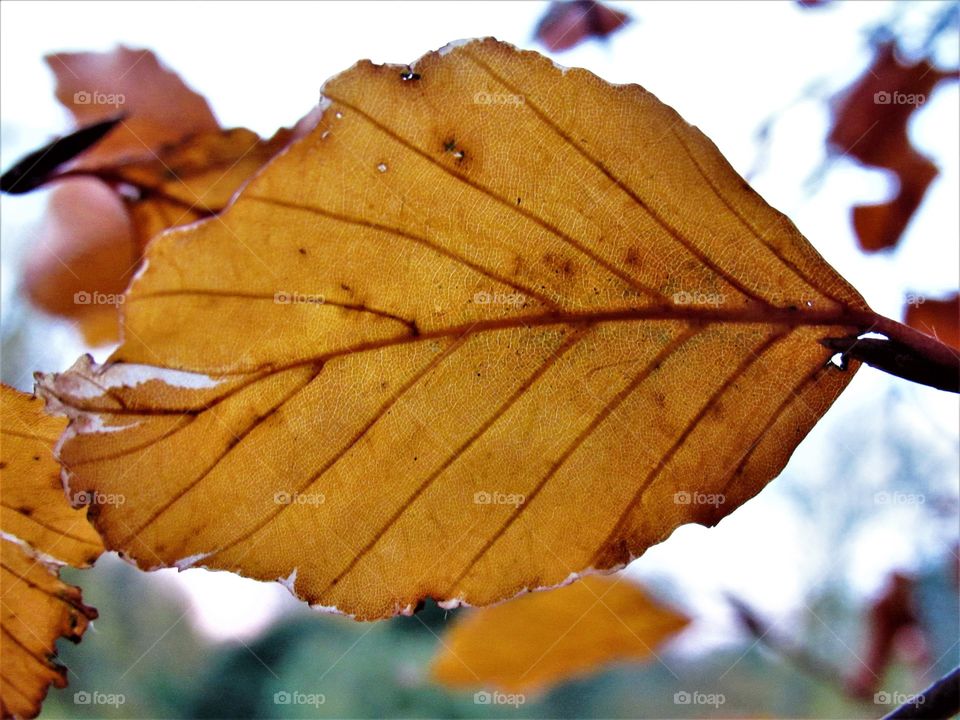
491	324
39	532
539	640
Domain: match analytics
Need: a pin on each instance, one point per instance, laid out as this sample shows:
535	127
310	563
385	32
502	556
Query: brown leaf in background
891	623
159	108
40	532
870	120
457	349
939	318
536	641
567	24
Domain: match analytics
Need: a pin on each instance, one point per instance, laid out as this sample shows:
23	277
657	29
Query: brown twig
905	352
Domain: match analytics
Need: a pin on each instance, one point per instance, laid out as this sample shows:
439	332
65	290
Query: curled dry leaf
39	532
455	348
536	641
870	121
938	318
191	179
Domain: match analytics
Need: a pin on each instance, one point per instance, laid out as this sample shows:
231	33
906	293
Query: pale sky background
724	66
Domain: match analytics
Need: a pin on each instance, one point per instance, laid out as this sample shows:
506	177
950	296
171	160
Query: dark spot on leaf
303	251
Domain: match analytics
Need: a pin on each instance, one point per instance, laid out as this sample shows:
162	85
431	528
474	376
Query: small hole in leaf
382	167
409	75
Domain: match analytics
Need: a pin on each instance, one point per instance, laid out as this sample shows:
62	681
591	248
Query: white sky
724	66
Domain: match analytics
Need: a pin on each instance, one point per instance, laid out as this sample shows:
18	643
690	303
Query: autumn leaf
567	24
83	257
892	624
463	340
98	222
536	641
159	108
870	124
938	318
40	533
43	165
164	163
192	179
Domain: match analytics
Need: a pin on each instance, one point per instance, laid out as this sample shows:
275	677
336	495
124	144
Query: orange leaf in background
40	532
159	108
870	124
567	24
450	348
939	318
536	641
82	257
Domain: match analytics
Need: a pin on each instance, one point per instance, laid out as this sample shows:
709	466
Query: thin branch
800	657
